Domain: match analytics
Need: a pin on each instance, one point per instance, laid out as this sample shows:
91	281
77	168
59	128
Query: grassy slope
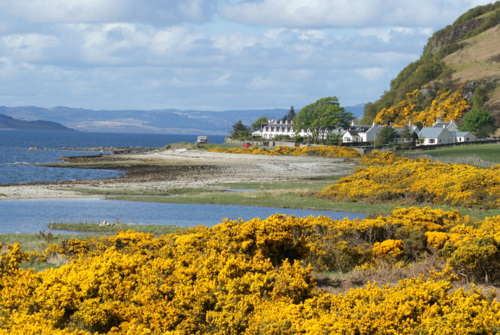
480	58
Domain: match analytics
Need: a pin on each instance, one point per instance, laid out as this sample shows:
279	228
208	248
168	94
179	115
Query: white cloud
28	47
345	13
234	43
111	54
100	11
63	10
372	73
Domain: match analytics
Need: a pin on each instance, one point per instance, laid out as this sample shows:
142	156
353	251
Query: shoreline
163	170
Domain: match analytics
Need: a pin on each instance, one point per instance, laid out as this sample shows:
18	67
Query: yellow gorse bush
386	177
447	106
322	151
255	277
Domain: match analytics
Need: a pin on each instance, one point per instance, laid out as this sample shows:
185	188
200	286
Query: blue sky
210	54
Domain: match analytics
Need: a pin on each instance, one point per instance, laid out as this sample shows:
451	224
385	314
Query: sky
210	55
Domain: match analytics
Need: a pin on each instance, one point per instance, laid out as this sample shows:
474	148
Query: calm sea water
17	163
32	216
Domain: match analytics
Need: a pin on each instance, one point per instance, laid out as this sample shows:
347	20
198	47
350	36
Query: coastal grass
113	228
39	242
488	152
311	184
128	192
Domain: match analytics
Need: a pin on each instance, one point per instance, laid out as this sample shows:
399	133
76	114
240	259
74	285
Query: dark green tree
479	122
290	115
407	135
240	131
322	117
385	136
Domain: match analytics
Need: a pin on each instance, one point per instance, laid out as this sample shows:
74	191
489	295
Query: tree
240	131
407	135
322	117
258	123
290	115
480	122
386	135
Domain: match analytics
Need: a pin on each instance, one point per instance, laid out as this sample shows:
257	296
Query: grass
486	152
115	227
126	192
313	184
39	242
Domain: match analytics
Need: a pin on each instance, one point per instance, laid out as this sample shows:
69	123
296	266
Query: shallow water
32	216
17	161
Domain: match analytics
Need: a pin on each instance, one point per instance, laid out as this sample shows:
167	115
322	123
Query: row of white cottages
439	133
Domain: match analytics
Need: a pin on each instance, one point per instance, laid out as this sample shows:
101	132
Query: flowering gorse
446	106
386	177
256	277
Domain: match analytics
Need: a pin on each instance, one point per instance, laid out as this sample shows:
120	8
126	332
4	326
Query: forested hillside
459	70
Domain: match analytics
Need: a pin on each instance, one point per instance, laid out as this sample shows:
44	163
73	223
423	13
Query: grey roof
359	128
461	133
441	125
430	132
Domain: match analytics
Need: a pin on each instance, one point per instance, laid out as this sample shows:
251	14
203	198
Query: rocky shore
163	170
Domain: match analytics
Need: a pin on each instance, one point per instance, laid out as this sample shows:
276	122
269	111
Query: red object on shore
246	145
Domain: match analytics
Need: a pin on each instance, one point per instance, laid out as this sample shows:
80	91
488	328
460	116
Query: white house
439	133
361	133
432	135
463	136
444	132
273	128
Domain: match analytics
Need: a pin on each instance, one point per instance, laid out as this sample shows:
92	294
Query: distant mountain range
169	121
7	122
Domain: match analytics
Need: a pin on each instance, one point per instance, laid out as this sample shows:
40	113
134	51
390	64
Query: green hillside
462	58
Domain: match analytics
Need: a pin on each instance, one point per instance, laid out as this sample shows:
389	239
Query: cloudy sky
210	54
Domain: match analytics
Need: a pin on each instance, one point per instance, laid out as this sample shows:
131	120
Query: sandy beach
162	170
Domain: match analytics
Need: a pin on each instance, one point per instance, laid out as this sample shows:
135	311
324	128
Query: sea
22	151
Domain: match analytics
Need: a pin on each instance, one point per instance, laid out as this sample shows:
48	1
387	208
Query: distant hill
170	121
7	122
463	58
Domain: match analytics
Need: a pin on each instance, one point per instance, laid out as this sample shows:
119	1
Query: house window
348	139
432	141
